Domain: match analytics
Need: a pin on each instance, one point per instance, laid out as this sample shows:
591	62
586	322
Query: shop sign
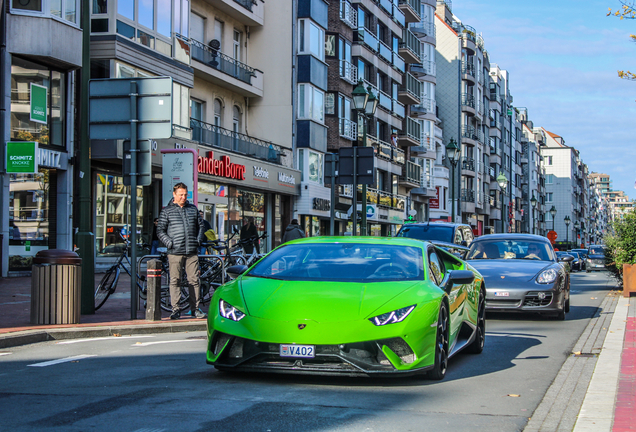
22	157
50	158
372	212
321	204
433	203
38	103
260	172
285	178
222	167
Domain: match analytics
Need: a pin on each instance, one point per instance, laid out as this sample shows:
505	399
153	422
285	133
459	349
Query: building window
311	39
218	112
62	9
549	179
180	105
311	103
312	172
548	197
549	160
236	119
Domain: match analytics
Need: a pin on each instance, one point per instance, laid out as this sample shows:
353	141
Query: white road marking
63	360
5	353
101	339
139	344
16	302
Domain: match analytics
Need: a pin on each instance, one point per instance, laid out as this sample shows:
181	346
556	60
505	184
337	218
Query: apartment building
532	183
464	108
232	101
38	87
600	210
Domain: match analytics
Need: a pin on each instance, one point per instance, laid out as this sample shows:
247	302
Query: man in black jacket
180	228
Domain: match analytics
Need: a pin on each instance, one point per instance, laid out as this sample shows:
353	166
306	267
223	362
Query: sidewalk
113	317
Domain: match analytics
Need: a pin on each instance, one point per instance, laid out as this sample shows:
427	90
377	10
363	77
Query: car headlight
589	260
547	276
230	312
392	317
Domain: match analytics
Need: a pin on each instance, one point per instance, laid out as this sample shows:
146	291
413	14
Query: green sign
38	103
509	112
410	219
22	157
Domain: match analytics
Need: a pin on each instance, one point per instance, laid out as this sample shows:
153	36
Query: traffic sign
552	236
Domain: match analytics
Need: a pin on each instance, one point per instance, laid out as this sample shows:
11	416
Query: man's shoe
175	315
200	314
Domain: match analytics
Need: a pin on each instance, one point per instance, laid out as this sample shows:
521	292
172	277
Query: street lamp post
452	152
502	180
533	202
553	212
576	232
360	99
567	220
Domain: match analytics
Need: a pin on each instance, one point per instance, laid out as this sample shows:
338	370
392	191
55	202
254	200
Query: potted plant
620	253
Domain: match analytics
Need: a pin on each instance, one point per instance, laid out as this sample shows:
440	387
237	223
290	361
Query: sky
563	57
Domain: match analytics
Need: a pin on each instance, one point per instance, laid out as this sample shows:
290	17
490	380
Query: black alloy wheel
477	346
441	346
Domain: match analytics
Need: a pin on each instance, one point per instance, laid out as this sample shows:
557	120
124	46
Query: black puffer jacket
180	228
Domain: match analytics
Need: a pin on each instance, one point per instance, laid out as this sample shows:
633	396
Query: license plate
299	351
502	294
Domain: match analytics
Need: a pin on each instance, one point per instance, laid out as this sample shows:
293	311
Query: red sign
220	167
552	236
433	203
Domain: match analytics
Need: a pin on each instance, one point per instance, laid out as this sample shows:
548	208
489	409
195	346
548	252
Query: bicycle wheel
209	274
166	301
106	286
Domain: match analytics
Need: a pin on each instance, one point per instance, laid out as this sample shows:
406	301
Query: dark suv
451	233
595	258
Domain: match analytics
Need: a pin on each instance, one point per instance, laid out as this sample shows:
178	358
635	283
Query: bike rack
206	257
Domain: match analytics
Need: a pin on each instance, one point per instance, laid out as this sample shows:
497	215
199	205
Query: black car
577	264
440	232
595	258
582	255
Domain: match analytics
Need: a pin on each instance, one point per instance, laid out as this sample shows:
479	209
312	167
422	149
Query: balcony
411	10
410	47
410	93
384	100
384	51
398	15
386	199
468	72
348	72
216	136
221	69
348	129
468	166
398	109
398	63
468	103
366	37
427	67
248	12
348	14
426	109
411	175
468	36
410	135
469	133
386	151
468	195
423	29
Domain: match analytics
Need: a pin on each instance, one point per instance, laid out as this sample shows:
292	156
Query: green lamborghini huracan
348	306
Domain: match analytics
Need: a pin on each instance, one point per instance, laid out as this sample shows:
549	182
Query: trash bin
55	287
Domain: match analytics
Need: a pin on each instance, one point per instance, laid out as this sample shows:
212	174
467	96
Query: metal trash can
56	287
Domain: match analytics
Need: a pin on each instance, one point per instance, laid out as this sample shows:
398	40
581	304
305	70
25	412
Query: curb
36	336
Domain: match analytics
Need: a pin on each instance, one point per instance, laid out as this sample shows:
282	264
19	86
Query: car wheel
477	346
441	346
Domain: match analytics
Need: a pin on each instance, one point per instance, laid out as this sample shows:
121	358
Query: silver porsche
521	273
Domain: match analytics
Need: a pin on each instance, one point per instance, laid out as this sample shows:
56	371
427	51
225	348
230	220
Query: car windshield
342	262
574	254
510	249
428	232
597	250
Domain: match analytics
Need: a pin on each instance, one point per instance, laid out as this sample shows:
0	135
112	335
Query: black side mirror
236	270
566	258
461	277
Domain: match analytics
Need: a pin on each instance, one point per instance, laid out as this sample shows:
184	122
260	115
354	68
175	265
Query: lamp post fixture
553	212
365	104
452	152
576	232
502	180
533	202
567	221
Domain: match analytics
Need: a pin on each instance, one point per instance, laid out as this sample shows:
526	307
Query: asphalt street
161	383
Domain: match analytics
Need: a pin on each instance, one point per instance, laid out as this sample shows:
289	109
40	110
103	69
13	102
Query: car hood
507	272
318	301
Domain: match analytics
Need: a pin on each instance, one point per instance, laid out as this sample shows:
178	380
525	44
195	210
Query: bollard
153	293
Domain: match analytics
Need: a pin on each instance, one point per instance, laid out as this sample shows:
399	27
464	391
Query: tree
626	11
620	243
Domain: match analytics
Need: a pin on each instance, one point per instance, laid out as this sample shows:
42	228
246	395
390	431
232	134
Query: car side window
468	236
458	236
436	268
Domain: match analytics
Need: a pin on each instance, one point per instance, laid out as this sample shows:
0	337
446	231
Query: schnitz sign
222	167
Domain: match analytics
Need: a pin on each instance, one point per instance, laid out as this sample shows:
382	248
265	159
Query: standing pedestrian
154	242
249	232
180	228
206	228
293	232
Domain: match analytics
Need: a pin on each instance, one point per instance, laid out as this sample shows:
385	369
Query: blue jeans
153	247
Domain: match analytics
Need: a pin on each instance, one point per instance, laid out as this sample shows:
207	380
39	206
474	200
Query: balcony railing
368	38
348	14
468	100
348	72
468	195
412	43
386	151
384	100
348	129
413	86
384	51
468	164
465	31
428	104
398	62
217	136
412	173
397	15
247	4
413	129
224	63
386	199
469	132
398	109
415	5
423	28
468	68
